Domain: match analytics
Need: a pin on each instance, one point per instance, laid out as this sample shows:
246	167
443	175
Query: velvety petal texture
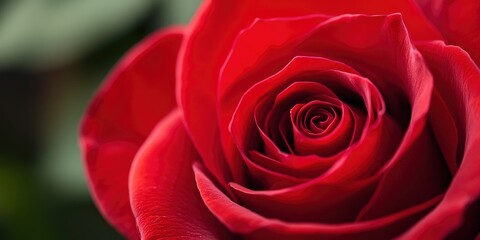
137	94
163	193
241	220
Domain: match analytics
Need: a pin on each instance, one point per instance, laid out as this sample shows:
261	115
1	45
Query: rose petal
313	201
165	200
456	79
264	178
419	175
445	130
242	220
308	167
138	93
458	21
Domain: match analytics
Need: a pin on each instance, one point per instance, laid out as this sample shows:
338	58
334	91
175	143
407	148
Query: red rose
294	120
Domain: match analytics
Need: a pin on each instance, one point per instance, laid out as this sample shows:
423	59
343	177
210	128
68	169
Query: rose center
316	117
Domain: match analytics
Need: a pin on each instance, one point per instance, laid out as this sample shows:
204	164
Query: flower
294	119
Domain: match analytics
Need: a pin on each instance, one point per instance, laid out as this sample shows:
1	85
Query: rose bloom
299	119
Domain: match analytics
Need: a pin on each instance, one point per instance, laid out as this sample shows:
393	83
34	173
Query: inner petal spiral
308	118
309	123
315	118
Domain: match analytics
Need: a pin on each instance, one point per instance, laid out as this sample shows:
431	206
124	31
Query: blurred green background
53	56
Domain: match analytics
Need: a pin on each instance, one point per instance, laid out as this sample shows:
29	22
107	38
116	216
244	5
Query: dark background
53	56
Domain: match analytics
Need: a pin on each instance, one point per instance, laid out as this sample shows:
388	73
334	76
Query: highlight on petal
137	94
165	200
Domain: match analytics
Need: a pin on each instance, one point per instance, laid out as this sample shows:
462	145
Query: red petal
138	93
459	22
419	175
241	220
165	200
313	201
264	178
445	130
211	35
457	80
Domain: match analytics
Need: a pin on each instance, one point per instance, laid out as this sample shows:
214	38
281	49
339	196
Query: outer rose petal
205	51
138	93
165	199
458	79
254	226
459	22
